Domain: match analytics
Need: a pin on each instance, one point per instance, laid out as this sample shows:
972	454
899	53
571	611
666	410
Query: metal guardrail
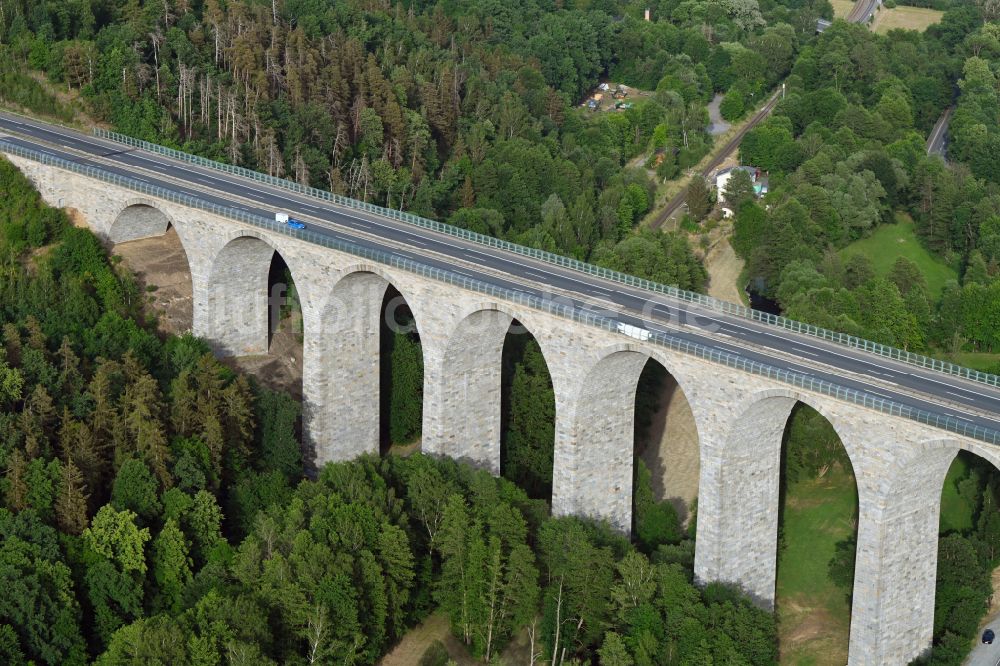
701	300
575	314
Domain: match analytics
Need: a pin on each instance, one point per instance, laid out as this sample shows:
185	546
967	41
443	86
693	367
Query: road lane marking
238	184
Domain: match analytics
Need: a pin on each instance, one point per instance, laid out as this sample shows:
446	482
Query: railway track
859	14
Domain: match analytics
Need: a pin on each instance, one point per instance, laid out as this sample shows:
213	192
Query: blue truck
283	218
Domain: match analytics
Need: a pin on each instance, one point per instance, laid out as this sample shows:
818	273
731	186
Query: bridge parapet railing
551	306
708	302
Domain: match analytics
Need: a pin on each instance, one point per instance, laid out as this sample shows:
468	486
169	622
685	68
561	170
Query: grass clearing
814	617
841	8
982	361
906	18
891	241
956	514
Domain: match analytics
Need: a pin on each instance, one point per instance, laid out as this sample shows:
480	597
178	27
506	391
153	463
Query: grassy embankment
906	18
841	8
891	241
814	616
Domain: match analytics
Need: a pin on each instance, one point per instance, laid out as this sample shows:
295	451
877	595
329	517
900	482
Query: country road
937	142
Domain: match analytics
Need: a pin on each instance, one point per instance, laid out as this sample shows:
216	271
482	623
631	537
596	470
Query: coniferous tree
71	503
699	198
17	484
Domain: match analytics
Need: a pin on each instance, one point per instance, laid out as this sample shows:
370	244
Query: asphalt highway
937	142
934	392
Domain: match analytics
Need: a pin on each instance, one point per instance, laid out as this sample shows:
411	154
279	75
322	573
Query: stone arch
239	309
468	382
745	496
139	218
341	383
597	461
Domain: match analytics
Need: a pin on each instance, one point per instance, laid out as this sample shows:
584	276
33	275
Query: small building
757	177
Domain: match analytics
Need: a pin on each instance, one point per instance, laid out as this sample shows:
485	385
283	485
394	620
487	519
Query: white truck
282	218
636	332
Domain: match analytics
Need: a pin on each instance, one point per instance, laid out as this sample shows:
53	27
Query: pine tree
36	422
183	404
141	408
71	504
17	486
76	443
699	198
239	418
12	343
104	414
70	379
171	567
35	335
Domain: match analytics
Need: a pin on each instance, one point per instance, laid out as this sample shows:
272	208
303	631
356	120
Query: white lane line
563	276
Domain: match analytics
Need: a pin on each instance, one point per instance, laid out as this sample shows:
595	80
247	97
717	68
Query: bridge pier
892	618
737	518
231	300
341	359
595	447
462	375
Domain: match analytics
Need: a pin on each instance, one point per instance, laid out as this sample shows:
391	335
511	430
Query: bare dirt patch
671	453
280	369
724	269
160	266
807	637
76	218
415	643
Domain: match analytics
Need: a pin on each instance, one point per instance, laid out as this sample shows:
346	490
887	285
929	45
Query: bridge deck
967	402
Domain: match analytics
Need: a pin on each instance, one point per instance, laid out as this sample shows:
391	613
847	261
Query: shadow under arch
137	219
154	248
343	365
667	445
245	294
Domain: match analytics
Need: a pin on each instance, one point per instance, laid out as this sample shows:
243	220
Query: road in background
937	141
986	655
934	392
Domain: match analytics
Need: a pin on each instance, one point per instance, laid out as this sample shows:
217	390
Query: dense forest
154	511
846	155
464	112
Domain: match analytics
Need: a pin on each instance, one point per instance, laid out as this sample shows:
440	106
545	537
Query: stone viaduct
740	418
